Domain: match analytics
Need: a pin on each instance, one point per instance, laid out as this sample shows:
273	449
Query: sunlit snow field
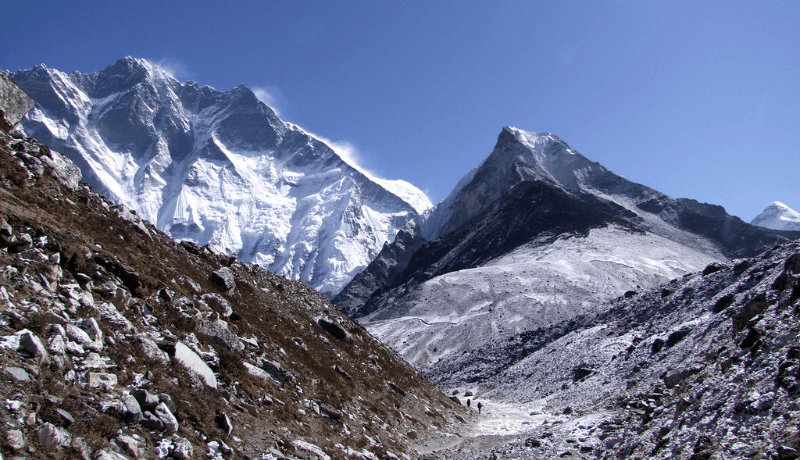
531	287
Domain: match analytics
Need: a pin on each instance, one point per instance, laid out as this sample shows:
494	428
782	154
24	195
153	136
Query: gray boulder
52	437
224	278
14	103
194	363
31	344
219	304
219	330
133	410
182	448
165	415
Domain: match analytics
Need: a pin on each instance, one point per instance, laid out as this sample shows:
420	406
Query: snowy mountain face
219	167
778	216
535	235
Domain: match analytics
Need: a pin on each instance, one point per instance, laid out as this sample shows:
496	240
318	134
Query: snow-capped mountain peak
219	167
778	216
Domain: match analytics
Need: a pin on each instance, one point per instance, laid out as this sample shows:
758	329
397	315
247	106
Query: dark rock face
734	237
529	210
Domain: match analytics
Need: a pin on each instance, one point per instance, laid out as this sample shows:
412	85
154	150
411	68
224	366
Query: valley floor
518	431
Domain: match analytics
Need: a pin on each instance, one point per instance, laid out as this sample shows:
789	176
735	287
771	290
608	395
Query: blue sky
696	99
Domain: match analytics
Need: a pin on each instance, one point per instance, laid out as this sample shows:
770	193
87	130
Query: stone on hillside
219	330
52	437
675	377
258	372
194	363
109	313
167	399
677	336
133	410
103	380
182	449
65	416
224	278
191	283
151	422
330	411
712	268
311	448
219	304
128	444
150	349
165	415
74	349
5	228
65	171
332	328
224	423
19	374
32	345
14	104
146	400
82	448
109	455
276	371
78	335
15	440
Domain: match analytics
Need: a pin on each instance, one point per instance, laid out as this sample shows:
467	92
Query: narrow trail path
501	430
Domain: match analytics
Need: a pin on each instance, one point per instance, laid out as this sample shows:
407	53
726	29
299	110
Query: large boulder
14	103
224	278
194	363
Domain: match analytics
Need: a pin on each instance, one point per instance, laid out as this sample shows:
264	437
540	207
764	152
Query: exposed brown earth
97	287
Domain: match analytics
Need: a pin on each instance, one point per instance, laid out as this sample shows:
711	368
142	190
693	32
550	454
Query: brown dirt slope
97	304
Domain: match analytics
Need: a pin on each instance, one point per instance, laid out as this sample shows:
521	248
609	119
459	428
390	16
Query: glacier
219	167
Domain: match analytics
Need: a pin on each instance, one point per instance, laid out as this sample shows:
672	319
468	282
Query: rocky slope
704	367
778	216
118	342
534	235
218	167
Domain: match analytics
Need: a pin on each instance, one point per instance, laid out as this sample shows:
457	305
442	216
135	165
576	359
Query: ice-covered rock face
218	167
778	216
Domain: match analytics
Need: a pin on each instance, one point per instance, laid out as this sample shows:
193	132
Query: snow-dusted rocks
778	216
219	167
99	312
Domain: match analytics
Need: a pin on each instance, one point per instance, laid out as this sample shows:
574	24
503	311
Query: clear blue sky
696	99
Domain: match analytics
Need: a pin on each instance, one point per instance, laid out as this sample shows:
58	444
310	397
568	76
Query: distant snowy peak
778	216
219	167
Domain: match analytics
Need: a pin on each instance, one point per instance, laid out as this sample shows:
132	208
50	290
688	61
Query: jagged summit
219	167
535	235
778	216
